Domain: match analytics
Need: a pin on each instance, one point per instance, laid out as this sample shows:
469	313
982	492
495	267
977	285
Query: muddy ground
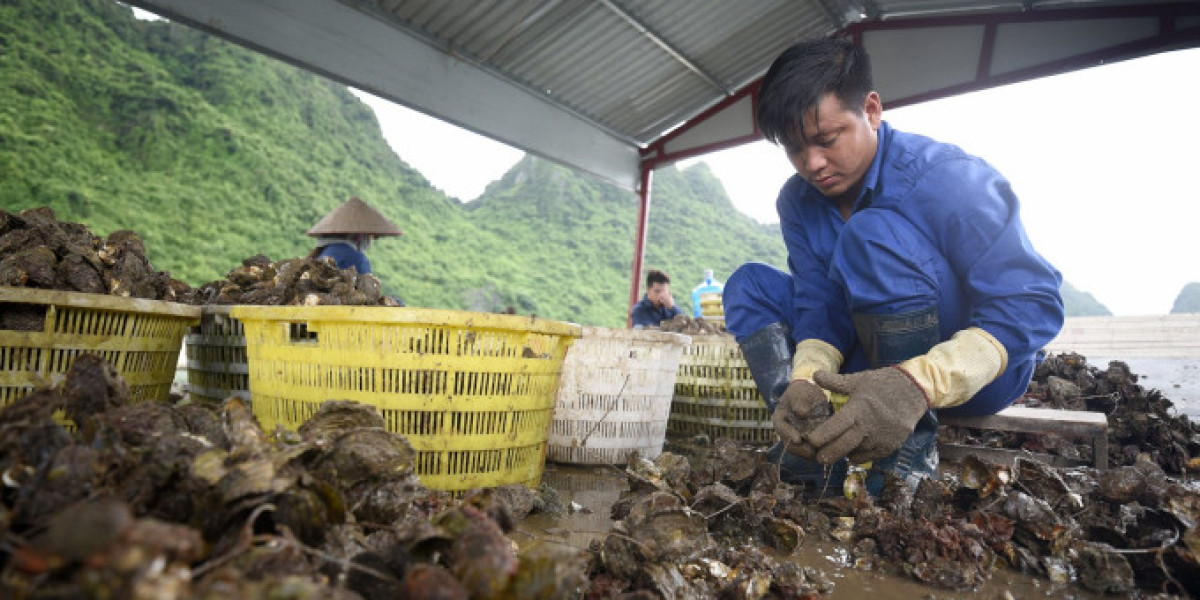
179	501
594	490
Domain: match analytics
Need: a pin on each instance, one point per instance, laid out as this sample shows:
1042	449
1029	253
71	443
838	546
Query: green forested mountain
566	233
1082	304
214	153
210	152
1188	300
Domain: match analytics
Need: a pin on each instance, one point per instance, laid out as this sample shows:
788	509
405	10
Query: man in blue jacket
656	305
912	287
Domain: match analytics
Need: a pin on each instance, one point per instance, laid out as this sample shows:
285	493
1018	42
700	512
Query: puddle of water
597	488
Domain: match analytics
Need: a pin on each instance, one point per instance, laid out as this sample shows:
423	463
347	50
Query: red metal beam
665	159
656	154
639	243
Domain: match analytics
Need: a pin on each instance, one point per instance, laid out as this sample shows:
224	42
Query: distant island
1188	300
1082	304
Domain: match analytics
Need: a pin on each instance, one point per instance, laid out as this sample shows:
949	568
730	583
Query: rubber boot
768	353
814	477
888	340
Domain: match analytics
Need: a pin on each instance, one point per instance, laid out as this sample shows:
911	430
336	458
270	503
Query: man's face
658	293
840	145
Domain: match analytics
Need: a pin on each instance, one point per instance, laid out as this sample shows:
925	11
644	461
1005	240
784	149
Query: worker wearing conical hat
346	232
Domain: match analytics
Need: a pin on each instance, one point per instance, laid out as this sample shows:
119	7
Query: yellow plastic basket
217	368
472	392
141	338
715	394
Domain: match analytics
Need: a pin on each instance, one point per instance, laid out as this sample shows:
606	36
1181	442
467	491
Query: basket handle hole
299	333
23	317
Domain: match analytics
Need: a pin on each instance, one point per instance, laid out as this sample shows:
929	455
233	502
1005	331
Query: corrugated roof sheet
639	68
635	68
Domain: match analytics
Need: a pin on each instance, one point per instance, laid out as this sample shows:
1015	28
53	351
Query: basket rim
640	335
421	316
713	338
216	309
96	301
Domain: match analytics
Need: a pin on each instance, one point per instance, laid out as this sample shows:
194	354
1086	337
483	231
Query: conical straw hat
354	216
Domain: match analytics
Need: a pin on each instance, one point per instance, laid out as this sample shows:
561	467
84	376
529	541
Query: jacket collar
871	177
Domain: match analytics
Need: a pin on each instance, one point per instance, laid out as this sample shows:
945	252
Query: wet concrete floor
595	489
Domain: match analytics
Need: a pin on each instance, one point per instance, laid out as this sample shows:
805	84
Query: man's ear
873	109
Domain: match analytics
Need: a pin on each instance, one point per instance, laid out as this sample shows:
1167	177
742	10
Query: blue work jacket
967	215
646	314
346	256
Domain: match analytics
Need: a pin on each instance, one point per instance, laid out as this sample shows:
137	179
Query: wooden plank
1037	420
957	452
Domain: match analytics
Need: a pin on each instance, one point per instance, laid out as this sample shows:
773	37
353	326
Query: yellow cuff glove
814	355
956	369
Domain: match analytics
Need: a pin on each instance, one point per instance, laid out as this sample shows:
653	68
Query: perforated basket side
605	442
140	338
715	394
217	364
614	396
473	394
717	417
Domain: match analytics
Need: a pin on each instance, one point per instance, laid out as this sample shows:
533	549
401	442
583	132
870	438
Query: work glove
883	409
802	407
885	404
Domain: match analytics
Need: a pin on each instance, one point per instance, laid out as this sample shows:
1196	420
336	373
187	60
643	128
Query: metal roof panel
630	71
636	68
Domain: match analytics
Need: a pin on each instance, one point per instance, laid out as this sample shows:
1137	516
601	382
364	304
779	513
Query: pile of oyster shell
719	523
682	323
295	282
1141	421
163	501
38	251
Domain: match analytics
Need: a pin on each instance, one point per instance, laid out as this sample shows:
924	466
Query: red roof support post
639	243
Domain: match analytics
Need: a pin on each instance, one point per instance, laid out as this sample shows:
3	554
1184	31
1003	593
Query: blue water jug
706	299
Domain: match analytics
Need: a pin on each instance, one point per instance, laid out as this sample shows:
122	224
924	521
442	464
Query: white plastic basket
216	357
614	395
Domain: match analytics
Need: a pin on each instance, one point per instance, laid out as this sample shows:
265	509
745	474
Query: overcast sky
1102	159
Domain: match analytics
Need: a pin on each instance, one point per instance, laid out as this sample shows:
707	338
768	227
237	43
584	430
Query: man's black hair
654	276
801	76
